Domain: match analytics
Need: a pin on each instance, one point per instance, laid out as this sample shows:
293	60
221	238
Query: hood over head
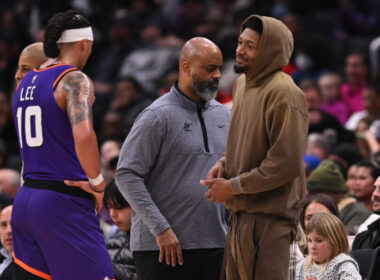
275	49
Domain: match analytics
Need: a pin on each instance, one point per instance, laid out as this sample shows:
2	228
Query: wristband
96	181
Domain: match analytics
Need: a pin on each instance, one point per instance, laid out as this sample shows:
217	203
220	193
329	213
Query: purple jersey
43	128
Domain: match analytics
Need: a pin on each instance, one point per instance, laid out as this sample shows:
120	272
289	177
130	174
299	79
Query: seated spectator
328	179
155	56
351	177
370	238
9	182
129	100
112	127
332	103
310	163
317	203
356	70
364	180
119	243
371	107
328	251
7	266
318	145
346	155
320	121
109	150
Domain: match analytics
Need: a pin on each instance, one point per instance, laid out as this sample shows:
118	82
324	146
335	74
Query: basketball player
56	231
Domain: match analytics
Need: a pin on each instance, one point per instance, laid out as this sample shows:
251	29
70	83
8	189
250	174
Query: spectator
318	145
364	180
351	177
311	162
9	182
328	179
356	74
149	63
129	100
112	127
328	251
118	244
329	84
370	238
7	267
371	103
320	121
317	203
346	154
109	150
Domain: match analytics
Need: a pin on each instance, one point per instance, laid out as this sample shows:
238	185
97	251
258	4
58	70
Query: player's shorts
57	236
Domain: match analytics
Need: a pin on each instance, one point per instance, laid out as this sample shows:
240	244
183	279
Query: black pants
22	274
198	264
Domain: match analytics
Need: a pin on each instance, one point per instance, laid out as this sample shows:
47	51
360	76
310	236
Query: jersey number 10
32	114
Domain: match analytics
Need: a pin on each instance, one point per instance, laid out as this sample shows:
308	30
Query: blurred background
137	43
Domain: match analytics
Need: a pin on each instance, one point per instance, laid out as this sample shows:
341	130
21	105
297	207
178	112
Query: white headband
75	35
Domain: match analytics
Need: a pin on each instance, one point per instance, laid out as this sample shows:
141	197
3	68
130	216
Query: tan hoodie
267	136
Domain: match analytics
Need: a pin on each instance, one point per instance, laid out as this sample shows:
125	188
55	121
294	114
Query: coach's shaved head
199	69
30	57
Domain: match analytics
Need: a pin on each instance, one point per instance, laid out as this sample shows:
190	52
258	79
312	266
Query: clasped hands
219	189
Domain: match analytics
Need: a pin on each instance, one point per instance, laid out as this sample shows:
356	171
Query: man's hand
216	171
85	185
169	247
219	190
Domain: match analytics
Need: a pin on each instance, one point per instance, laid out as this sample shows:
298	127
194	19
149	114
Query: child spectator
328	251
119	243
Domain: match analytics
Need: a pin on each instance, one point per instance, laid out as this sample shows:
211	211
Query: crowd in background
137	42
135	60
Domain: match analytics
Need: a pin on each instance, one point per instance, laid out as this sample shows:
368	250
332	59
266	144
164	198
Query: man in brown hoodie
261	179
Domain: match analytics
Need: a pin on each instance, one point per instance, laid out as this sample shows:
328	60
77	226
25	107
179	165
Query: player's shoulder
75	75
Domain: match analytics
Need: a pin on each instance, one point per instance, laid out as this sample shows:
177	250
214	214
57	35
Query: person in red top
356	74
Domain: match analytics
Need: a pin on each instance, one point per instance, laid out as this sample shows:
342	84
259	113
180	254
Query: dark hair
375	172
349	153
375	86
56	25
323	199
132	80
113	197
255	24
363	55
307	84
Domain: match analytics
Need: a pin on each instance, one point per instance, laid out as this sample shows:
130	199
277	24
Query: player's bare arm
80	97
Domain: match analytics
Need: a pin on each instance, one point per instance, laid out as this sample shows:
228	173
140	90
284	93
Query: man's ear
186	66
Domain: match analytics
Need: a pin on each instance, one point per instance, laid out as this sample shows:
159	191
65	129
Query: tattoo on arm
80	96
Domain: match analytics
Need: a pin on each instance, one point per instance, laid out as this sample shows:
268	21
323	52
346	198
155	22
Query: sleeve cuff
159	229
236	185
223	159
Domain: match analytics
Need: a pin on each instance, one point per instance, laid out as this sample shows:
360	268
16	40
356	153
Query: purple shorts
57	236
